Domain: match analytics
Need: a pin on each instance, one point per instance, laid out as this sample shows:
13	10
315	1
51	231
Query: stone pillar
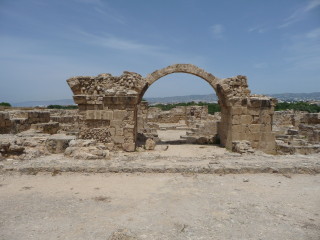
251	119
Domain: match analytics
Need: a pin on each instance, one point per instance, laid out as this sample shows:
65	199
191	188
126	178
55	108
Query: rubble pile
297	132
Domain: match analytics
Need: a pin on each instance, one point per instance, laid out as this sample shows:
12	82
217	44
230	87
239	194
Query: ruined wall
50	121
301	135
108	105
245	116
15	121
189	114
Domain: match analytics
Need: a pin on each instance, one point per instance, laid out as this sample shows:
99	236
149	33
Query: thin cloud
258	29
110	41
104	9
126	46
111	14
217	31
300	13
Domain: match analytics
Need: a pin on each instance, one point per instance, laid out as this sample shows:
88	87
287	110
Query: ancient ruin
112	117
109	105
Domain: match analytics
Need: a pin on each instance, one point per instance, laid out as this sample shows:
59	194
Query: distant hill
196	98
44	103
213	98
189	98
296	96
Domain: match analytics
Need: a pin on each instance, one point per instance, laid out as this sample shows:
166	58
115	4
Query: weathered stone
129	147
58	143
50	127
242	147
150	144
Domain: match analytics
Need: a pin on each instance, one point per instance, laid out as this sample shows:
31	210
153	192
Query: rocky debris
296	147
106	84
87	150
99	134
299	132
205	132
58	143
129	147
293	132
50	127
242	147
10	147
150	144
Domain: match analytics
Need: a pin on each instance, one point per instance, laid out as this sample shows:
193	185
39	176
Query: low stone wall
5	123
17	121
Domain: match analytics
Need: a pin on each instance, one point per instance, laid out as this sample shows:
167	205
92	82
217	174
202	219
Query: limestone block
150	144
97	114
120	114
119	131
90	115
118	139
112	131
242	147
50	127
237	128
80	99
58	143
107	115
87	153
129	147
246	119
116	123
128	125
237	110
255	127
236	119
110	146
128	132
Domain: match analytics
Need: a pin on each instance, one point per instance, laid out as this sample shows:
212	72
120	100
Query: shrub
5	104
62	107
212	107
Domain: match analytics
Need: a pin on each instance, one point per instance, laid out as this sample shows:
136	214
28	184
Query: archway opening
179	108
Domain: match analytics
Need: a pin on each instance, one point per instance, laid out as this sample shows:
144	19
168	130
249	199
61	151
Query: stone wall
5	123
15	121
189	114
108	106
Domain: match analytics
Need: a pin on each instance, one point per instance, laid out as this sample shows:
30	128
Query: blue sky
275	43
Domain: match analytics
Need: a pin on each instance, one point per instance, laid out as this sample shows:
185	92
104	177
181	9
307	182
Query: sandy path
159	206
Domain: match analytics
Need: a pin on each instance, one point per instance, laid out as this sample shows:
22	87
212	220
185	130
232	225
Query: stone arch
180	68
218	85
108	107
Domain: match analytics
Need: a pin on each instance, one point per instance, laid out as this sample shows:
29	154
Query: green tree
62	107
5	104
212	107
298	106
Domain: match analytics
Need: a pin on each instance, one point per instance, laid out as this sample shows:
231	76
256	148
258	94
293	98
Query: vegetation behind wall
214	107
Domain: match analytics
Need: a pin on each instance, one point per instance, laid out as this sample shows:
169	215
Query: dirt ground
159	206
